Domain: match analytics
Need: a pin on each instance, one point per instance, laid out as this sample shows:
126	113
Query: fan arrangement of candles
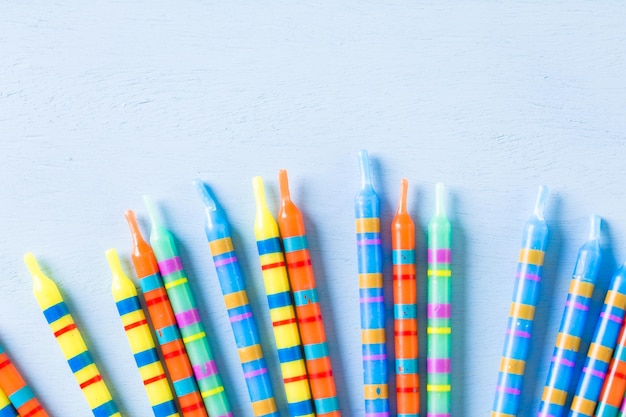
175	361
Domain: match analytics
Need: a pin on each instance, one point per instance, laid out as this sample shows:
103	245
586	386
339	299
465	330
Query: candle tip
440	199
259	191
366	178
404	187
595	226
205	194
32	264
155	219
114	262
283	182
540	204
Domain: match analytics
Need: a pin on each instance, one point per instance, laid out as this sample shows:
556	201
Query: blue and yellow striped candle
572	326
282	312
522	313
372	301
71	342
141	341
601	349
239	311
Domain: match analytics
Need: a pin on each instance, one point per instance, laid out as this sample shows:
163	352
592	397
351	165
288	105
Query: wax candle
614	385
6	408
522	312
283	316
372	306
405	308
141	341
601	348
622	409
13	385
308	311
164	323
239	311
71	342
187	316
572	325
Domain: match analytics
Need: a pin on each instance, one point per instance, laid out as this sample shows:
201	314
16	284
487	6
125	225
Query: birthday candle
239	311
20	394
141	341
370	267
405	308
622	409
519	326
601	348
71	342
187	316
308	309
572	325
6	408
282	312
164	323
438	331
612	393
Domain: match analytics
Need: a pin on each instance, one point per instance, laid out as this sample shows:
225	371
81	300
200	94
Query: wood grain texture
102	102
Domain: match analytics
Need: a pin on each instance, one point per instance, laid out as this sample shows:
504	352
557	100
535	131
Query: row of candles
194	387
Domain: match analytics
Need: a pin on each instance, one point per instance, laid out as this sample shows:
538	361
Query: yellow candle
71	342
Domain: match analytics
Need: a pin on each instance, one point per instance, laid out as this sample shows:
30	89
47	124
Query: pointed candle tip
404	187
155	220
32	264
259	191
440	208
595	226
540	204
283	182
114	261
205	194
366	178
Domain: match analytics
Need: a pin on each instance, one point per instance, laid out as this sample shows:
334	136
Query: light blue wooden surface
103	102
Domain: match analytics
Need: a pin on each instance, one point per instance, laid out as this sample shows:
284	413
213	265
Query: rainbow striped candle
164	323
572	325
141	341
71	342
614	386
6	408
187	317
405	308
239	310
20	394
370	267
438	390
601	348
522	313
308	311
282	312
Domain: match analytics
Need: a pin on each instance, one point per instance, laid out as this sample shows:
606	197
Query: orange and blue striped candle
405	308
282	313
164	323
6	408
601	349
572	325
141	341
522	312
187	316
308	311
372	300
71	342
240	314
20	394
614	386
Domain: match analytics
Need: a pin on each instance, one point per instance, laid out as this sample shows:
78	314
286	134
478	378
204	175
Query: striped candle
308	311
438	387
522	312
572	326
141	341
20	394
239	311
614	386
622	409
372	305
71	342
281	307
405	308
187	317
164	323
6	408
601	348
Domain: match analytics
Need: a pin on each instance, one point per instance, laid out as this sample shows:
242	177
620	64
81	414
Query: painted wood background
101	102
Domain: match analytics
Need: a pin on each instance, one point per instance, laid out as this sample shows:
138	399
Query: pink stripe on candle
240	317
382	414
519	333
563	361
594	372
378	299
379	357
204	371
254	373
438	366
187	318
611	317
530	277
507	390
439	255
363	242
169	266
437	414
576	305
439	311
226	261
